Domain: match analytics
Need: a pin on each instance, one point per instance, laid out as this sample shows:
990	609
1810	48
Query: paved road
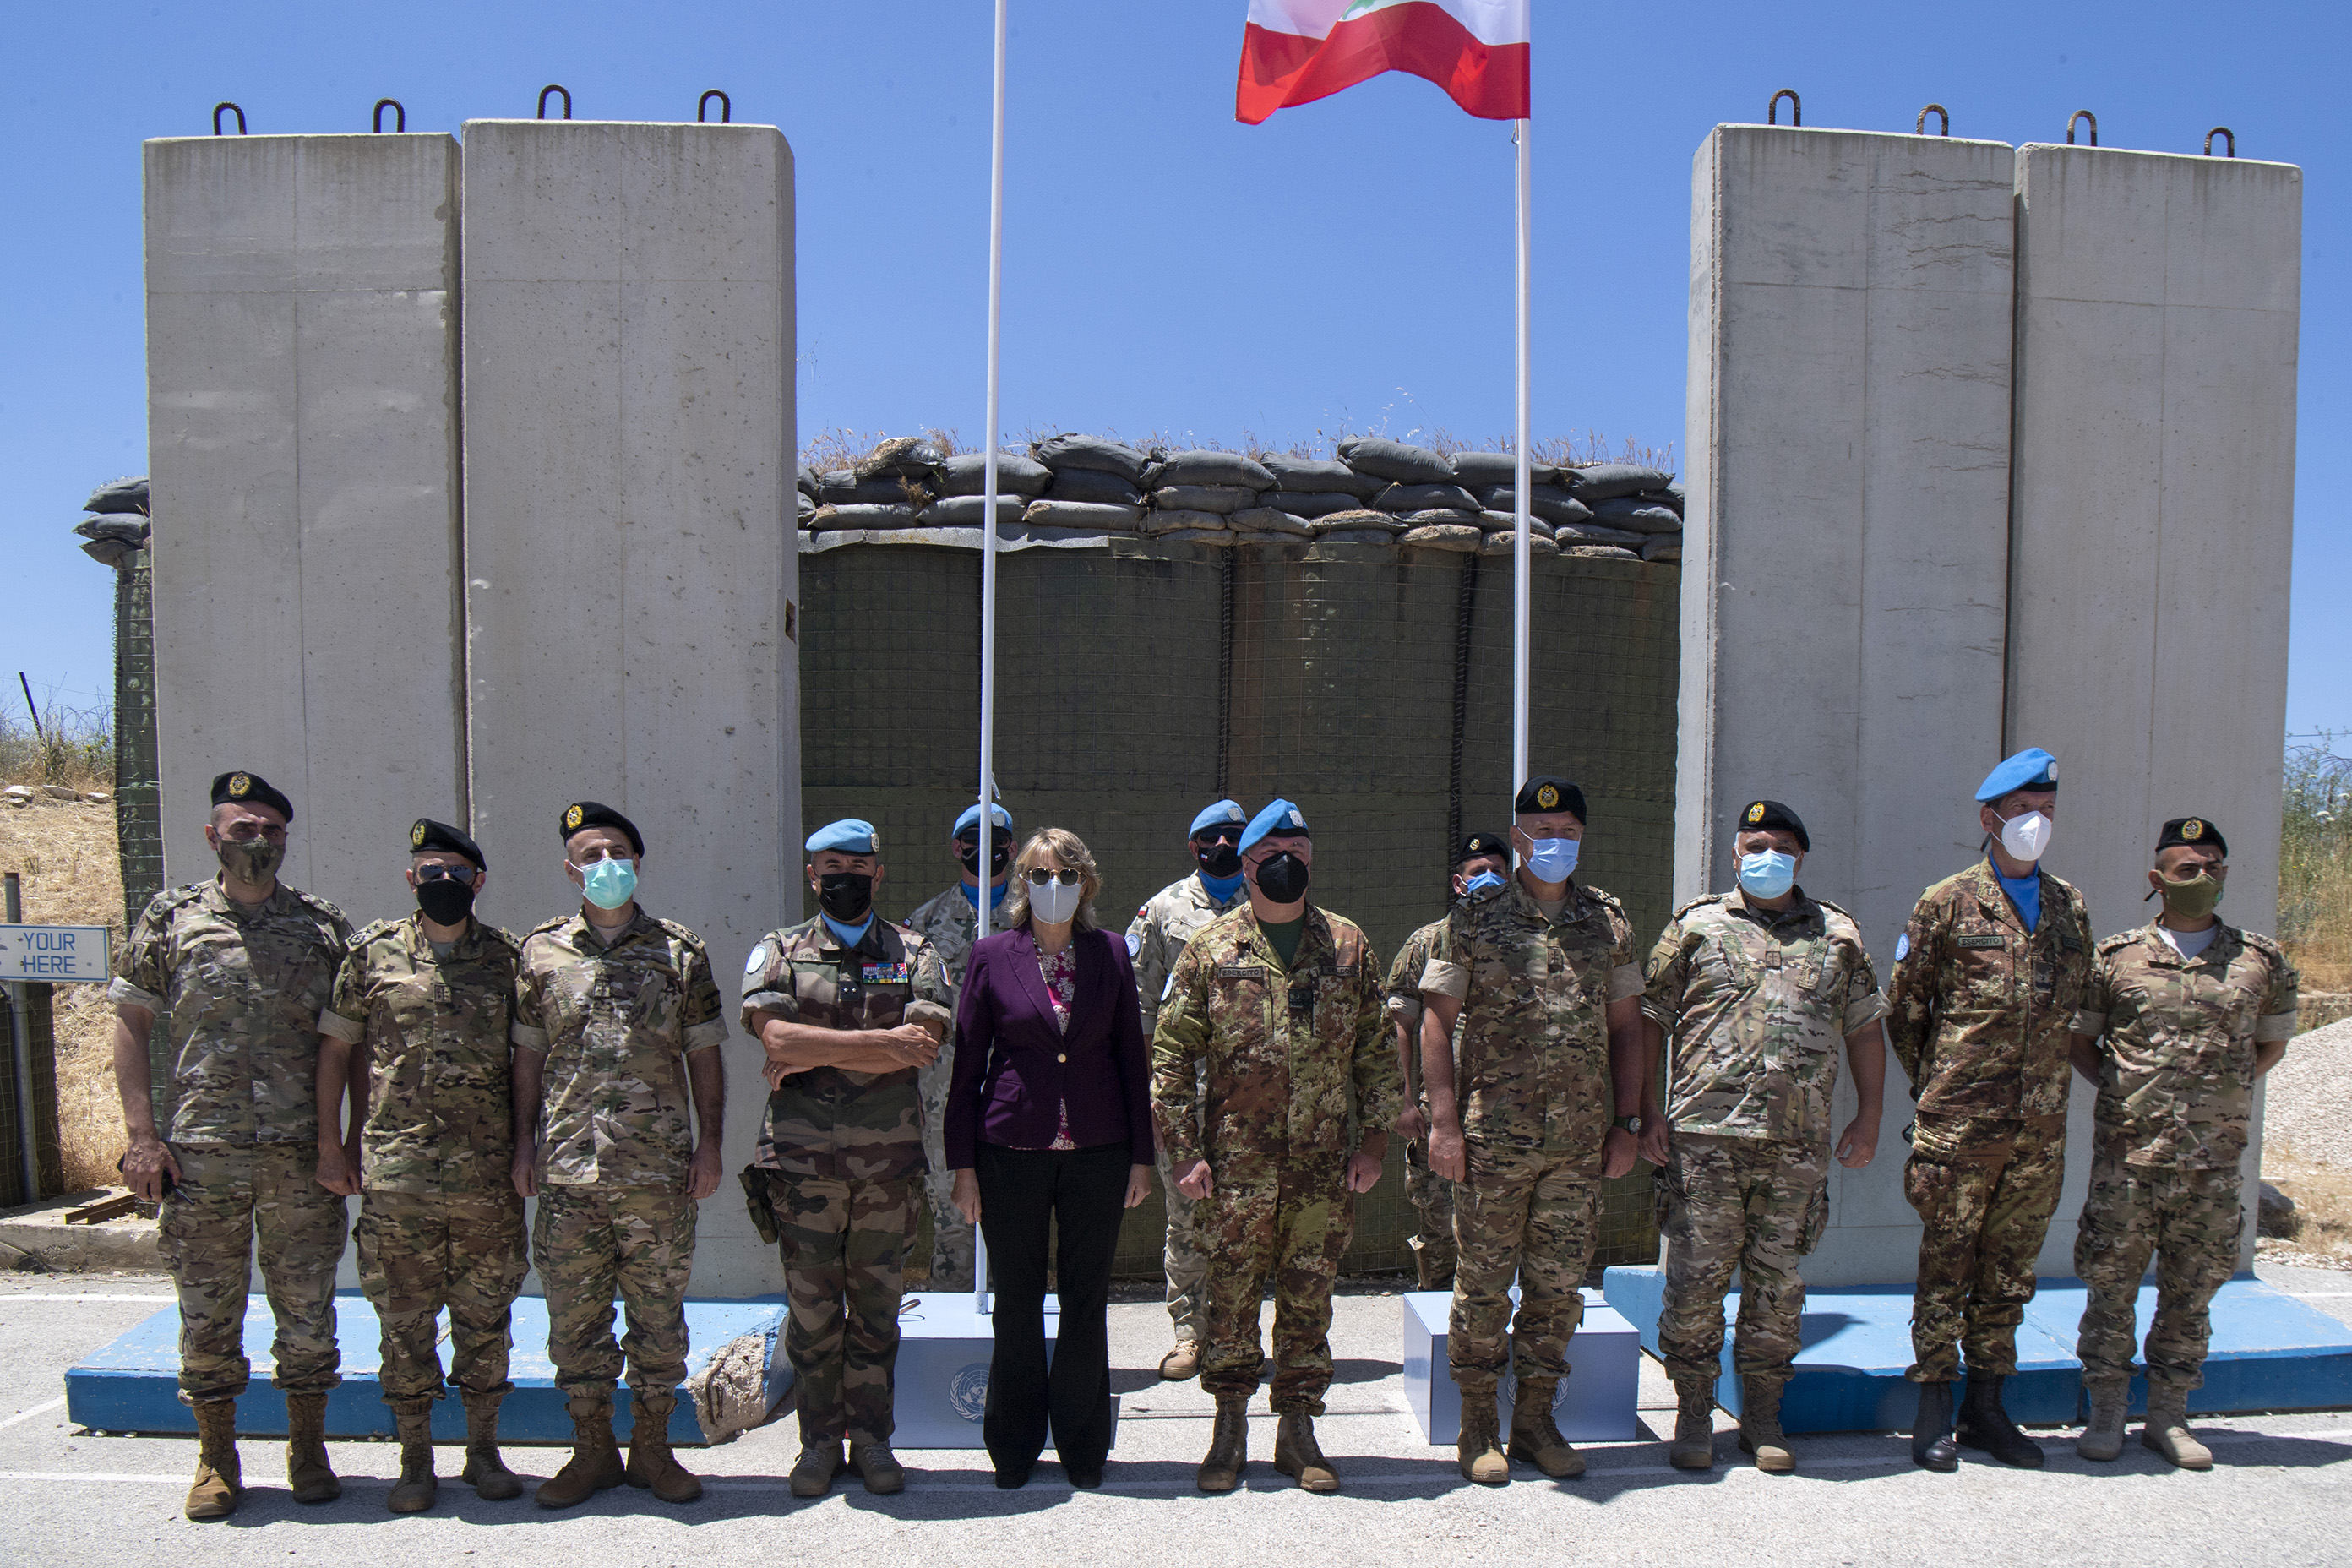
2279	1495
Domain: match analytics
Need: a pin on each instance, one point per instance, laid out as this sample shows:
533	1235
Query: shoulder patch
677	931
1902	947
368	933
2122	938
546	925
321	905
1602	895
2267	946
758	960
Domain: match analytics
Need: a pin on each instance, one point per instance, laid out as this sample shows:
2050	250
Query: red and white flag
1295	51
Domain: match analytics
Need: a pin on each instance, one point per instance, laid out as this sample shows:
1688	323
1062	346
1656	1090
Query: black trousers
1022	1193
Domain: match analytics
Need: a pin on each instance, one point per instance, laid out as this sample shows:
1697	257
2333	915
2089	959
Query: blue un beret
1225	813
1280	817
970	821
2031	768
850	836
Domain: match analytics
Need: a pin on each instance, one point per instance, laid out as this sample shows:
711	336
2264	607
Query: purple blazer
1015	1068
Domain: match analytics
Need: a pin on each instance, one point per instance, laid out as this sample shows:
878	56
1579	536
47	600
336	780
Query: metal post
1521	551
20	1033
988	555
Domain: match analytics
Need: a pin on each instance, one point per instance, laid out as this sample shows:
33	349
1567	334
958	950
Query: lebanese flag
1295	51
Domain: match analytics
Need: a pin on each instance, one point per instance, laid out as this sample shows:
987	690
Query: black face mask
1218	859
445	901
847	896
1282	877
1000	854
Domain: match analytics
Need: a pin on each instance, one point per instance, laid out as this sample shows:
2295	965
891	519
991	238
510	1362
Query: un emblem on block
968	1392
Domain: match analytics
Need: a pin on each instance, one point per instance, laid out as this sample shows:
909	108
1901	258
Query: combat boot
1985	1425
595	1462
819	1463
416	1488
1759	1427
219	1483
2103	1434
307	1474
878	1467
1228	1446
1182	1361
1933	1445
1535	1436
652	1466
1693	1445
485	1472
1478	1449
1299	1457
2166	1430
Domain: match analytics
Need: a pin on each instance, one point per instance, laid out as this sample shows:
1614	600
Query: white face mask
1055	901
2025	837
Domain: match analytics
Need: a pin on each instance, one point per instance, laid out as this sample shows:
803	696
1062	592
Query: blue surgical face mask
609	883
1553	859
1768	874
1485	885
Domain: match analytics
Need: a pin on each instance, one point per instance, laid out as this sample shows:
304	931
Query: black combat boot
1932	1446
1985	1425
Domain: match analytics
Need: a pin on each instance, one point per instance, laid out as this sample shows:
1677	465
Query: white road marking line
36	1410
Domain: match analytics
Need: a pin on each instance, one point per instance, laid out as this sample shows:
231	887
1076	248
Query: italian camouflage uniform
440	1222
1977	1009
1286	1052
2177	1043
1431	1194
617	1020
1155	939
236	991
949	924
843	1162
1755	1004
1533	1087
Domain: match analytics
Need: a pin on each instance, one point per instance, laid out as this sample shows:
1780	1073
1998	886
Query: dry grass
65	856
72	746
841	447
2323	1205
2315	864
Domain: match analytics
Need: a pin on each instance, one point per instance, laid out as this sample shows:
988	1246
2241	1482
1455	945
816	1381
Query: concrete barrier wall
306	557
629	556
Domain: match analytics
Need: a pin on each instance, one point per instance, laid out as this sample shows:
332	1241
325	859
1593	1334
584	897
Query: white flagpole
988	556
1521	551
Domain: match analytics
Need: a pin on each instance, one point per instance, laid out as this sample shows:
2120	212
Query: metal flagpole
988	558
1521	551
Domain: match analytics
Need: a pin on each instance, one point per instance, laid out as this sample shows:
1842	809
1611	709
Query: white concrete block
1596	1403
629	565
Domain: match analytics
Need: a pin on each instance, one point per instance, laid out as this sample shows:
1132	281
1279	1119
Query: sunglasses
462	874
1039	876
1218	835
249	832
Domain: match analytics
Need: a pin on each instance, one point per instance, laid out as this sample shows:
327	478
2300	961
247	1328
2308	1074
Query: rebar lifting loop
233	109
726	107
1796	108
2082	114
2221	130
400	115
552	86
1944	120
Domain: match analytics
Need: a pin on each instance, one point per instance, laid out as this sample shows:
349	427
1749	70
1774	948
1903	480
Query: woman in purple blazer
1049	1119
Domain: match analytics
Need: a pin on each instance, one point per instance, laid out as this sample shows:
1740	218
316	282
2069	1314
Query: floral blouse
1060	971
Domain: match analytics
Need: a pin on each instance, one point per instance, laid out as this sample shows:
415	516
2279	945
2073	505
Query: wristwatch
1630	1123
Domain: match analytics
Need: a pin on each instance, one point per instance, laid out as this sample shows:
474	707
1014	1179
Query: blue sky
1166	268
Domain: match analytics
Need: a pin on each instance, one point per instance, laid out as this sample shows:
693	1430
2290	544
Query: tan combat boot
416	1490
1228	1446
307	1474
485	1472
2166	1430
1182	1361
1535	1436
2103	1434
1693	1445
219	1483
1298	1456
595	1462
652	1466
1759	1427
1477	1450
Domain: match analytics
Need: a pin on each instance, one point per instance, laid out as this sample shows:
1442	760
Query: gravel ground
2308	1113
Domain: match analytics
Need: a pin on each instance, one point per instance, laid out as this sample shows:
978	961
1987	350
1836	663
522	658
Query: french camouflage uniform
440	1222
1755	1004
1155	939
949	924
1978	1012
2177	1043
1256	1066
1431	1194
236	993
617	1020
842	1157
1533	1086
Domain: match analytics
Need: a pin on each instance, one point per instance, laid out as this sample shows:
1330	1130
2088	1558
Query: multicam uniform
440	1222
1287	1049
1432	1196
949	924
1533	1086
1755	1004
843	1153
1978	1010
1155	939
237	992
617	1020
2176	1051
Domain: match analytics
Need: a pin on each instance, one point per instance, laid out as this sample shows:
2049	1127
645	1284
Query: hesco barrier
1137	682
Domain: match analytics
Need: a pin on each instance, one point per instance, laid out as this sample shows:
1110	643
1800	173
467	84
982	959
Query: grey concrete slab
302	409
629	549
1844	566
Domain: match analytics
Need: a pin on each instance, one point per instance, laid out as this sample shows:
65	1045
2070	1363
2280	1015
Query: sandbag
1600	553
1266	520
1311	503
1396	461
1663	547
1379	520
1085	514
1593	533
1639	513
1357	536
1221	536
802	507
1097	486
907	457
1071	450
1166	520
806	482
1600	481
1505	545
1440	514
1503	522
1459	538
844	487
966	473
1218	499
1476	470
1550	503
858	514
1670	498
120	495
112	553
131	528
1207	468
1402	499
1312	475
968	512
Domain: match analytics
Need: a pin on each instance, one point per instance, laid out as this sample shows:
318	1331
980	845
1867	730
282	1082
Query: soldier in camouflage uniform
1278	1006
949	923
2181	1020
421	1006
1542	976
617	1023
848	1008
1155	939
1987	976
1755	988
237	970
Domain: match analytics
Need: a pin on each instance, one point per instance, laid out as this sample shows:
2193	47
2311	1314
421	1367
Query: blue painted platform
2268	1351
132	1385
1596	1403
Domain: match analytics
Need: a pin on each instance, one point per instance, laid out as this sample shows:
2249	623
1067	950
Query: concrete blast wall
302	413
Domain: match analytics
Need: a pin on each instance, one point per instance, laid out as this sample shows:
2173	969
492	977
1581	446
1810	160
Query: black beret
1483	844
243	788
582	814
1548	791
2196	831
1762	814
427	834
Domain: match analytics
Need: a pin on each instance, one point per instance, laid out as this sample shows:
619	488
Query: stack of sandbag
1203	496
1639	509
962	481
118	527
1095	485
887	487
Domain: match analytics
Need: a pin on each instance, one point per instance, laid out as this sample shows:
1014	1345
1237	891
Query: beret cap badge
2192	830
1548	797
571	818
1756	812
417	835
240	786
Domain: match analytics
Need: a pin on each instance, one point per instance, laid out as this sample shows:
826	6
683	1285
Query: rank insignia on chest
885	973
1980	938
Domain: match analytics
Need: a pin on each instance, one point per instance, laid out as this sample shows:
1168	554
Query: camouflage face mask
2194	899
251	860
